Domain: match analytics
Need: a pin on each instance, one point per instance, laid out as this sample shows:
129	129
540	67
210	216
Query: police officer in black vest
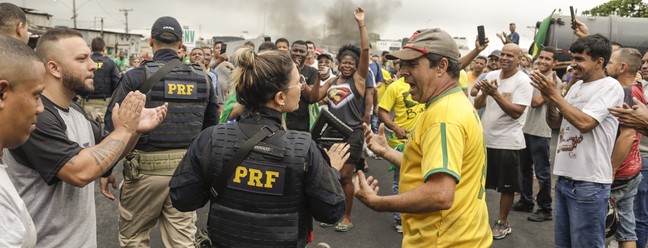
105	82
269	197
144	194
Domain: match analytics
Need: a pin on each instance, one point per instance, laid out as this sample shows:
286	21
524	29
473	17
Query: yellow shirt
406	110
463	79
472	79
448	138
381	89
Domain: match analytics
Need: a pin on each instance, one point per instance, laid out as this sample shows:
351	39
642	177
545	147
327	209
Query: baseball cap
326	55
422	42
166	24
495	53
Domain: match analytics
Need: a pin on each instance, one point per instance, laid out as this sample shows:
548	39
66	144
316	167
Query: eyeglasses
302	81
424	51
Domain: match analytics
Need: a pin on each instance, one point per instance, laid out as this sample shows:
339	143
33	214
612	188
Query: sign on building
188	37
388	45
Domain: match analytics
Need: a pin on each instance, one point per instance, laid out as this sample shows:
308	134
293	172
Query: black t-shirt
299	120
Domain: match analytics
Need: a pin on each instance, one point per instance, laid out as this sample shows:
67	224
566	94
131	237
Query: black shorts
503	172
356	149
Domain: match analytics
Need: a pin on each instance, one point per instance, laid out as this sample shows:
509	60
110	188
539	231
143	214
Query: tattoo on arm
107	153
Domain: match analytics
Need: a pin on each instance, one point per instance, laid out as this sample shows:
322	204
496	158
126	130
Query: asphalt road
371	229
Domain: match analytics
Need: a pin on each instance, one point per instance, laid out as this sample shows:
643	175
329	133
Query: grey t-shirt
536	123
345	102
64	215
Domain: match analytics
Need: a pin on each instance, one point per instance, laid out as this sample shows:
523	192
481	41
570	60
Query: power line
105	11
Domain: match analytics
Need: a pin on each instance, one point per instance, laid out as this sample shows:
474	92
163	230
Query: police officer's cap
166	24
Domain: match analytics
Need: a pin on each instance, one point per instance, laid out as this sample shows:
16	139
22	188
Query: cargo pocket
125	223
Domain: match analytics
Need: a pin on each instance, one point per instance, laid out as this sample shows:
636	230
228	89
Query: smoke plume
293	19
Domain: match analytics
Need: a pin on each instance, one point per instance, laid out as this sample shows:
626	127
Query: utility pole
74	13
101	27
126	15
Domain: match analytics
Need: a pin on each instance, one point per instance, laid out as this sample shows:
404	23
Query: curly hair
349	50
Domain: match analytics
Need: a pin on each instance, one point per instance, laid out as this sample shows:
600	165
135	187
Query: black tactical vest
186	89
101	79
262	204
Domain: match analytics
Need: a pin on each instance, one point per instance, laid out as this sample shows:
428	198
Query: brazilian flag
540	37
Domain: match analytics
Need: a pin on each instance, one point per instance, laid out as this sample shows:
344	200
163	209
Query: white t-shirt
500	130
16	226
314	65
586	156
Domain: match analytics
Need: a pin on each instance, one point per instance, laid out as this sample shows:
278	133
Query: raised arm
363	67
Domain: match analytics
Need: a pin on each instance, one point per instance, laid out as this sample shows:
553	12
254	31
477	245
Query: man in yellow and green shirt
443	166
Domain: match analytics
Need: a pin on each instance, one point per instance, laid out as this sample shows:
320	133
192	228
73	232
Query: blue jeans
641	207
397	216
625	201
580	209
536	157
374	123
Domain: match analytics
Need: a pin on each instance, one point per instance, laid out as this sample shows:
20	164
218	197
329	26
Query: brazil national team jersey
448	138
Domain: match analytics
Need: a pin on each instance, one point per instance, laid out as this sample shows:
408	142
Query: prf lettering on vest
266	179
99	65
254	177
180	89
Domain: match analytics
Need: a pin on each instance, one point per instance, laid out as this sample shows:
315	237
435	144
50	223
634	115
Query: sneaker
398	226
522	207
540	216
500	230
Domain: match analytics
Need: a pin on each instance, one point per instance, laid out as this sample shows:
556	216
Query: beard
75	84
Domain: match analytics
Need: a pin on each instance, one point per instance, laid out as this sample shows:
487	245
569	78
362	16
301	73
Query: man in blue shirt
513	37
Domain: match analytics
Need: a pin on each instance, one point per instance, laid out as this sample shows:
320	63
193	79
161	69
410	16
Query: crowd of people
203	127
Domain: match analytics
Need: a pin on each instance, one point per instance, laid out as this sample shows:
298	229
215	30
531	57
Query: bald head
510	57
13	22
48	45
17	58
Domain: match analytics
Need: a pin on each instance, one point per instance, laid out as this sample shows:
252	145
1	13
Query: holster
132	166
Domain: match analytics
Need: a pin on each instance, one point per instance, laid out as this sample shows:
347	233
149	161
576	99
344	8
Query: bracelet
362	26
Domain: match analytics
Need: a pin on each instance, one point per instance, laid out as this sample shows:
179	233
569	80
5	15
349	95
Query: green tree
624	8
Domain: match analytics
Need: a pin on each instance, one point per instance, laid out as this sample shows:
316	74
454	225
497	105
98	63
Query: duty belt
160	163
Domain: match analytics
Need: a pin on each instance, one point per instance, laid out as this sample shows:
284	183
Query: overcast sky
231	17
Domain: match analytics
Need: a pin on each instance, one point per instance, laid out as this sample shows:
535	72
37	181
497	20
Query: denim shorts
625	205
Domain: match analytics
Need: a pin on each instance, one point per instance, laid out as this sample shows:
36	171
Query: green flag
540	37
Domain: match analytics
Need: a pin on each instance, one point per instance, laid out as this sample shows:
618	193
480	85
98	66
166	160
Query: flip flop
325	225
343	227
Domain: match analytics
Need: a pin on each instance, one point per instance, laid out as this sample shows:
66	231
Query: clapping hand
126	115
488	88
544	84
634	117
151	118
